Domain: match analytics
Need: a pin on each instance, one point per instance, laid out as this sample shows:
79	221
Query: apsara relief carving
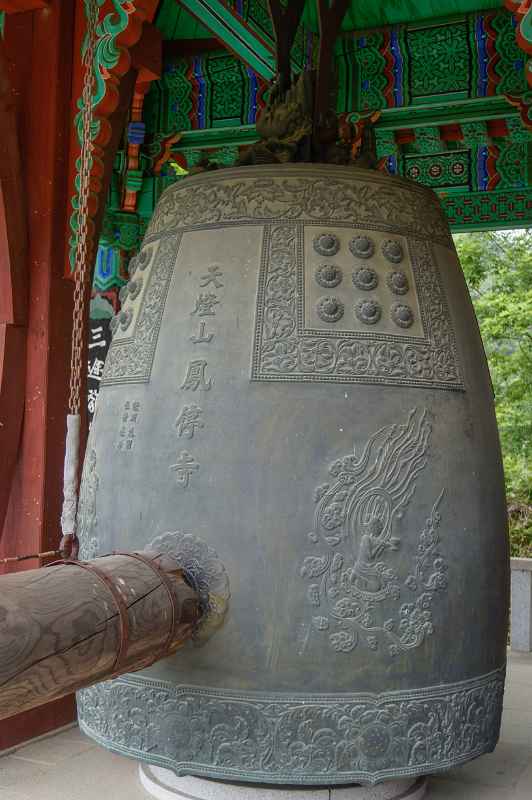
356	593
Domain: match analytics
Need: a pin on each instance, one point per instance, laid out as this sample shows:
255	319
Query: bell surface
297	401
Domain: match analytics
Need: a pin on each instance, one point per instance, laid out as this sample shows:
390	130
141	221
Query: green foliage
498	270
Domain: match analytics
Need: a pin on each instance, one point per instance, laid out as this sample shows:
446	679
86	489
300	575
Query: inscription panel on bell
359	281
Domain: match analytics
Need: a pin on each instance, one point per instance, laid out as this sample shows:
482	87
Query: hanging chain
68	545
81	261
69	541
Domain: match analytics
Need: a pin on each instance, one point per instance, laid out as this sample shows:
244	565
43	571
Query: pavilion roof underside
176	22
440	87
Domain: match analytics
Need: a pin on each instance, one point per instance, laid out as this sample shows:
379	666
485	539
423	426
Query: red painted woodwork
451	133
405	136
36	722
13	287
38	52
497	128
44	69
12	384
147	55
13	269
15	6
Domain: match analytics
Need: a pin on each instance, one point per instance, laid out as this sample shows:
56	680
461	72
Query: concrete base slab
163	784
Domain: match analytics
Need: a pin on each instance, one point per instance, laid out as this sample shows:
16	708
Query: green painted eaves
377	13
175	22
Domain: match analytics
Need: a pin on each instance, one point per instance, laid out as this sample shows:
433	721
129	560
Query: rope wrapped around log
74	623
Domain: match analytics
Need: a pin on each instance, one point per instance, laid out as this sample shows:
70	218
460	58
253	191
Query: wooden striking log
69	625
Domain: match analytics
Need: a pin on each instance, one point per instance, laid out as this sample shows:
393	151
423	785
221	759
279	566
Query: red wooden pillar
38	48
41	50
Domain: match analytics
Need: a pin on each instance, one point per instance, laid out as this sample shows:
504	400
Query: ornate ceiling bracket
135	134
119	30
522	12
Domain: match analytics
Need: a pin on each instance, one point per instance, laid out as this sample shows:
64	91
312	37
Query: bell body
297	395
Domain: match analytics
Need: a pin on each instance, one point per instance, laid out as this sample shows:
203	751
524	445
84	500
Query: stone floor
68	766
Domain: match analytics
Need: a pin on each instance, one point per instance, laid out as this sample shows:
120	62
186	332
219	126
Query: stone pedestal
521	605
163	784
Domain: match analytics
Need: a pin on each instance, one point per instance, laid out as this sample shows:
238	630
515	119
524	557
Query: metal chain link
81	261
68	546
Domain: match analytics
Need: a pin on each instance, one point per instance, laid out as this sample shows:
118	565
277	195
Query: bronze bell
297	402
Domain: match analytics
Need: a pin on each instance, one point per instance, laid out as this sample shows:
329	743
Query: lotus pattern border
300	739
258	198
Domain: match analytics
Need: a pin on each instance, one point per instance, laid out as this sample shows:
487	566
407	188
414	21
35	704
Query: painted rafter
235	34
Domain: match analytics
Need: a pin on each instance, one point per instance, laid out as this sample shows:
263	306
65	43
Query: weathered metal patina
297	391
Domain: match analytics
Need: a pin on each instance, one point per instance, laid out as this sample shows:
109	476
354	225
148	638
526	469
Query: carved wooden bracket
121	48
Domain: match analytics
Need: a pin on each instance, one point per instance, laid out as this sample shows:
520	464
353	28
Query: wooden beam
330	19
147	54
87	622
285	21
235	34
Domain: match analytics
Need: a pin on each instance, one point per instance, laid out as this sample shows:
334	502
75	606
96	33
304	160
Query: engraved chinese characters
344	469
190	420
128	425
